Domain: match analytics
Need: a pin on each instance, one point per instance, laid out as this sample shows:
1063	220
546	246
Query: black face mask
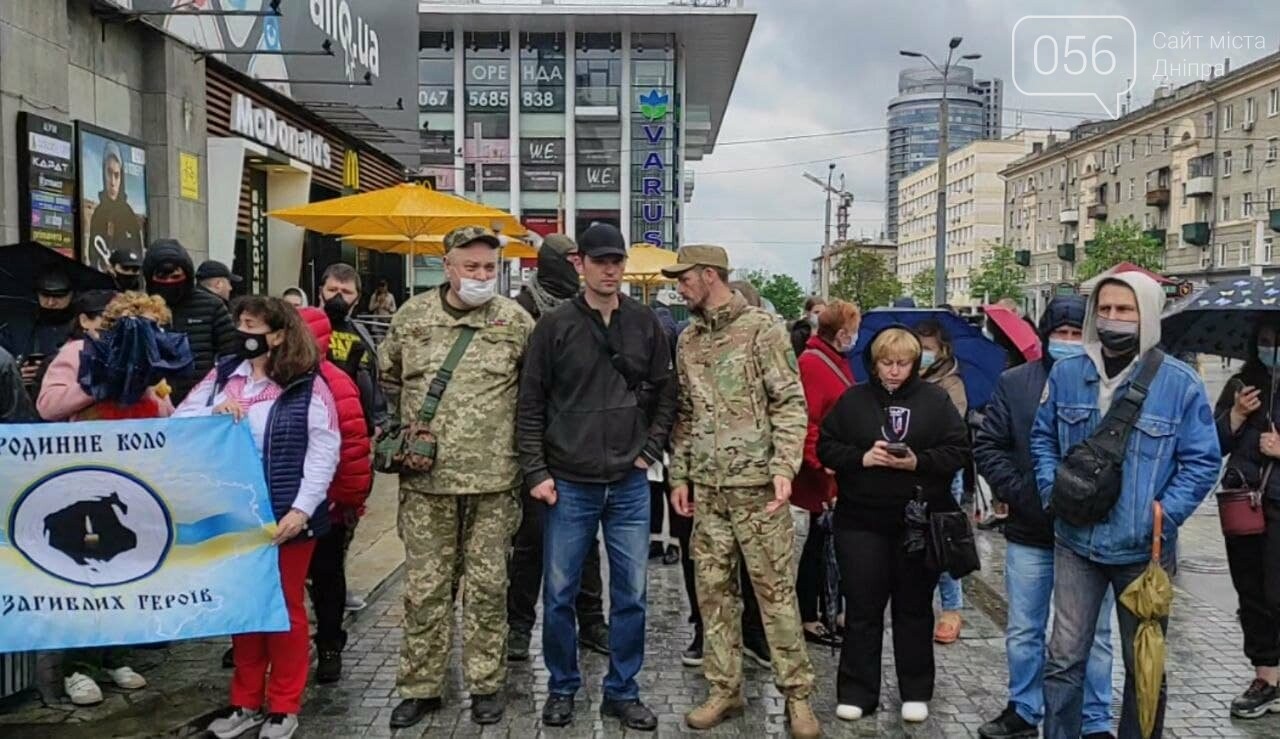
1118	337
49	316
172	292
251	345
337	309
128	282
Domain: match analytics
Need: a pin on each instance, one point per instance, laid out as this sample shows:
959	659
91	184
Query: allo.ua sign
654	106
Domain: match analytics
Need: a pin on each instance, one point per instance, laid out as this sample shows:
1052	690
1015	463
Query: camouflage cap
464	235
697	255
560	244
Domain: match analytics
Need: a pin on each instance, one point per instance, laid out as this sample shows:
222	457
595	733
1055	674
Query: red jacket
822	388
354	477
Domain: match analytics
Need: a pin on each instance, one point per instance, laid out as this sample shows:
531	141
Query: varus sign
653	203
263	125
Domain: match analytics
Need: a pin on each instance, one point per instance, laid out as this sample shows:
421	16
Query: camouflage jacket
742	416
475	423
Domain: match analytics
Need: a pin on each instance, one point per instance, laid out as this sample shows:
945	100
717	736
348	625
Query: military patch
791	361
497	322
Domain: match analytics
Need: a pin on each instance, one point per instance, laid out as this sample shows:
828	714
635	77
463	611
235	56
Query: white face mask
475	293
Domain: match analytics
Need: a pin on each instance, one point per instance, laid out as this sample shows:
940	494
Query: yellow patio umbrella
429	245
409	210
644	266
1149	598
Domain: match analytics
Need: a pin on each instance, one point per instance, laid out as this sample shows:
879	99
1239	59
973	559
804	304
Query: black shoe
823	638
558	710
1099	735
517	646
595	637
329	666
757	650
655	550
672	556
1261	698
692	657
229	659
412	710
633	713
1008	725
487	709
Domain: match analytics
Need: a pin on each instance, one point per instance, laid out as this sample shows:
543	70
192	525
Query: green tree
922	288
999	275
758	278
1120	242
863	278
781	290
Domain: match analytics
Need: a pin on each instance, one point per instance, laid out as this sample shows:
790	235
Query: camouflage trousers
726	520
447	538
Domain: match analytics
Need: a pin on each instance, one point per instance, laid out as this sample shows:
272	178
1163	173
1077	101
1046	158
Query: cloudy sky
820	66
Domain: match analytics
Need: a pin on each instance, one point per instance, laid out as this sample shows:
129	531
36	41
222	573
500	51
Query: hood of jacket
870	364
1150	305
556	274
168	252
1064	310
317	322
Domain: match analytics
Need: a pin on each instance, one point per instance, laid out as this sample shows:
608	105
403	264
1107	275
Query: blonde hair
836	315
895	343
131	304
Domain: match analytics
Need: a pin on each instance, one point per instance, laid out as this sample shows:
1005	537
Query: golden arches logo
351	170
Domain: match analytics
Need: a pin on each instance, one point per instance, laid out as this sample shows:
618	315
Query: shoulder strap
1124	411
827	361
435	391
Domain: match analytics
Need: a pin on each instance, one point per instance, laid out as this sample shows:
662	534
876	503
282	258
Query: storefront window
437	139
598	69
486	138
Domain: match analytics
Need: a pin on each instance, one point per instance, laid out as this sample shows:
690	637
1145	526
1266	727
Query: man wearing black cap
217	278
39	341
597	401
126	268
198	313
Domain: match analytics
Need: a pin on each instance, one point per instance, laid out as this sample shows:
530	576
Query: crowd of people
538	436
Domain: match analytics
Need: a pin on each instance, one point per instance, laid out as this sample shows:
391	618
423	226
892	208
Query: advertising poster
134	532
113	194
46	183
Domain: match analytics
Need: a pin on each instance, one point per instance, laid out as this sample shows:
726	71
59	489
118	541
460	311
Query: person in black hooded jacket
198	313
871	531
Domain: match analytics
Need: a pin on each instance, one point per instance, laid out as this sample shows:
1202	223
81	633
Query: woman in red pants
272	384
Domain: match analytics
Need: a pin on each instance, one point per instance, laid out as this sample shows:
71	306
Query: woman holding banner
271	383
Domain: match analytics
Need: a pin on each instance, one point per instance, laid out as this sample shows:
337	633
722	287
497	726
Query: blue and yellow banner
129	532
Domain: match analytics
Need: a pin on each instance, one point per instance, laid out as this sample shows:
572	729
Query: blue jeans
1079	587
950	591
1028	577
570	530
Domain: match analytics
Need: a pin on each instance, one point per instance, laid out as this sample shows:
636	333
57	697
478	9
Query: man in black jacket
198	313
597	401
1004	459
556	282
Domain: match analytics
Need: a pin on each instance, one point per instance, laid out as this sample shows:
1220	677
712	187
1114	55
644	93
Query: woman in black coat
891	440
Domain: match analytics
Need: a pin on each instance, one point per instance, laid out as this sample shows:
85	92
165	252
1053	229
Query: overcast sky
816	66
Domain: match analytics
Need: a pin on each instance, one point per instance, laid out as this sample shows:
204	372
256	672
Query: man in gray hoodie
1171	457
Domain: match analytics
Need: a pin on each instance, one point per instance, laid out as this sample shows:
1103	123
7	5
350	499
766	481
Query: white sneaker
915	713
279	726
848	713
238	723
126	678
82	690
355	603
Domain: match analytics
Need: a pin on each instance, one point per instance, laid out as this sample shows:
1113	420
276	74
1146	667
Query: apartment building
1198	169
975	212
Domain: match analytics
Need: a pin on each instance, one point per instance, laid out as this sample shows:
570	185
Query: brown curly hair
135	304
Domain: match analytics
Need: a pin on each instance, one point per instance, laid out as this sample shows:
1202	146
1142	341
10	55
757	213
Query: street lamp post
944	121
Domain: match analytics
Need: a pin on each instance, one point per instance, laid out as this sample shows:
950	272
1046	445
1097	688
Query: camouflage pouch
411	447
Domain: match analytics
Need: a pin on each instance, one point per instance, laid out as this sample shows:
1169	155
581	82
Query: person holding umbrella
1247	433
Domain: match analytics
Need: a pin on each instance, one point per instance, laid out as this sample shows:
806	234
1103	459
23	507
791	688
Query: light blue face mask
853	341
1059	349
1267	355
927	358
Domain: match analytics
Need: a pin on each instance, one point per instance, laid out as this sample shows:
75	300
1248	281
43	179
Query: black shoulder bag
1089	479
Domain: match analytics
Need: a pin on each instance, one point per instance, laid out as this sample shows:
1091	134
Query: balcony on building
1022	257
1067	251
1098	212
1158	188
1069	215
1158	234
1200	176
1274	217
1196	233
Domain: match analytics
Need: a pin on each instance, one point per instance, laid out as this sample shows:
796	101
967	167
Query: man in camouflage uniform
739	438
460	516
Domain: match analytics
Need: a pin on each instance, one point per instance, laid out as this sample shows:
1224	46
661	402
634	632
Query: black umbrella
21	264
830	593
1221	319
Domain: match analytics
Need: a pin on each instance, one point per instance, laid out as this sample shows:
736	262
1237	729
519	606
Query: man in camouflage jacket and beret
460	516
739	438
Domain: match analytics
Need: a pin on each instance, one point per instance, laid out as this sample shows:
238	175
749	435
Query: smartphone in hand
898	449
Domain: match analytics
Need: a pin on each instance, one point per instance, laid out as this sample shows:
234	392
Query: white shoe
238	723
126	678
82	690
279	726
915	713
355	603
848	713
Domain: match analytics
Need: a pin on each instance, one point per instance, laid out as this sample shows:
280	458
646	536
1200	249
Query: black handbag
952	548
1088	483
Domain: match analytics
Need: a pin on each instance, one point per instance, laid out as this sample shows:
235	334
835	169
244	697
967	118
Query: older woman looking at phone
891	441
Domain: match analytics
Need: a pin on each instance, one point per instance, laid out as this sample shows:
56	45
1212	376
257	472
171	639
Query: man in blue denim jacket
1172	457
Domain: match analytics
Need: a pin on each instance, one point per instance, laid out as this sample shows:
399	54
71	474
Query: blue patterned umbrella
134	355
1221	319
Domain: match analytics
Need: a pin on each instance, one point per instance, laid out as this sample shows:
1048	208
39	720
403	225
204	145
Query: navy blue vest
284	446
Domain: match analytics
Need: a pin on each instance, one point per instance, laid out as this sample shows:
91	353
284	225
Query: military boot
717	708
804	725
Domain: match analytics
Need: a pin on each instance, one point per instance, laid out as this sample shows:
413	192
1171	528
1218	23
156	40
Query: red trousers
286	654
